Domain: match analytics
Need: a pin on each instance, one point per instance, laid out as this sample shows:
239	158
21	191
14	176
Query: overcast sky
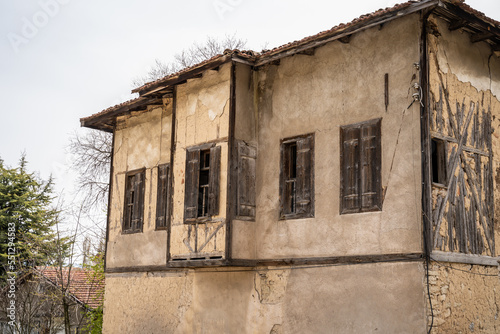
61	60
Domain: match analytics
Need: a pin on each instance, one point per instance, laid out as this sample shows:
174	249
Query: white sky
82	56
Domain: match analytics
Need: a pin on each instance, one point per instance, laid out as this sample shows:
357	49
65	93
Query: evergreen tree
27	238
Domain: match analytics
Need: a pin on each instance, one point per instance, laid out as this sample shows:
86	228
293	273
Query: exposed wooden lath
479	29
463	208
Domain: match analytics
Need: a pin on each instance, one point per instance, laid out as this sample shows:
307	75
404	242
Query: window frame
137	206
439	164
163	191
303	176
373	177
192	179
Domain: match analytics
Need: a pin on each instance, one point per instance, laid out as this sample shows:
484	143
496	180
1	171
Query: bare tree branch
92	151
191	56
92	158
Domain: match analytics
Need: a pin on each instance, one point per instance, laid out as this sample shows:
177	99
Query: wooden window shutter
247	156
138	207
304	184
370	166
128	207
350	173
214	179
192	183
162	197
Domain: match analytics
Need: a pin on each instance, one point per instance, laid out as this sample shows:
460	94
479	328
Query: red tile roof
82	285
249	54
268	55
119	105
337	28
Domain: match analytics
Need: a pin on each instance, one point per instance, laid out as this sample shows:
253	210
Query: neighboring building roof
455	11
82	286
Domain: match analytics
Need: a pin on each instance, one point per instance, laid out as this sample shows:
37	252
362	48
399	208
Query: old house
347	182
40	305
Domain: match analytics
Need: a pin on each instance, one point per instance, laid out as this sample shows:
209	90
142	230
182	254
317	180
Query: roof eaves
461	15
98	120
182	75
342	30
150	92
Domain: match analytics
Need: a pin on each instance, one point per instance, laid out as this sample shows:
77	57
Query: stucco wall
355	299
202	115
142	140
340	84
465	297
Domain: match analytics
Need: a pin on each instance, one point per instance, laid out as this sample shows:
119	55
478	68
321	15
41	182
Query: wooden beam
457	24
345	39
307	52
333	260
479	37
386	17
173	148
275	62
456	13
110	193
182	264
464	258
386	91
426	200
451	171
100	121
188	74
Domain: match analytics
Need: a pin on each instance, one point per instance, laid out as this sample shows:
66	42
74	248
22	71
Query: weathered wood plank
464	258
451	117
471	179
212	235
386	91
439	116
474	238
451	222
461	214
451	171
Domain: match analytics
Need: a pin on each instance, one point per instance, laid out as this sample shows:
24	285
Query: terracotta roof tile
339	27
85	288
184	70
469	9
255	56
117	106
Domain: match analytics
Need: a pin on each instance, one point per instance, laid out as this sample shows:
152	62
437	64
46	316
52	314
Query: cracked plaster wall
340	84
202	115
465	297
142	140
368	298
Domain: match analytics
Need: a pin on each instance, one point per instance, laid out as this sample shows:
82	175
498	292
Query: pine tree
27	238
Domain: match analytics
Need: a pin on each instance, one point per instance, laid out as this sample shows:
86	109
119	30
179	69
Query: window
438	160
163	197
201	199
133	212
360	161
297	177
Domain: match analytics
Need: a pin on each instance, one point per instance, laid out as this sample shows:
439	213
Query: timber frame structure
466	132
276	161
